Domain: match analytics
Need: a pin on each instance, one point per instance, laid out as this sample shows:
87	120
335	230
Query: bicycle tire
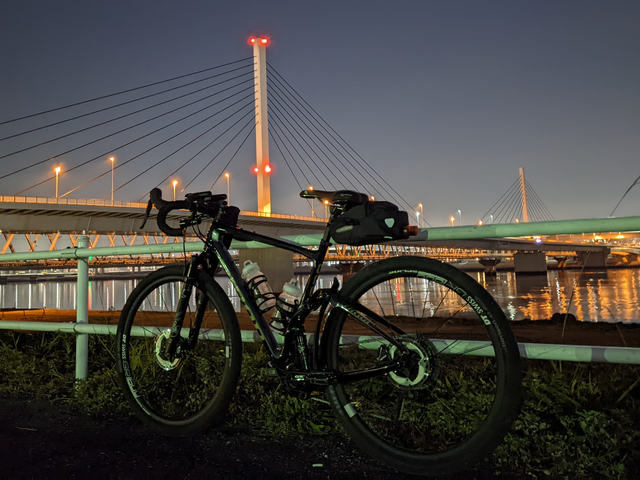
448	409
185	397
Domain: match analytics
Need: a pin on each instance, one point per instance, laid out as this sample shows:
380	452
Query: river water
612	295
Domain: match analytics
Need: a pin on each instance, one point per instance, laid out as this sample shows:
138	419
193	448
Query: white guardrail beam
538	351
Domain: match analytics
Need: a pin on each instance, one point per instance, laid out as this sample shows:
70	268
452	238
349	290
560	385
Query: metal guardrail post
82	312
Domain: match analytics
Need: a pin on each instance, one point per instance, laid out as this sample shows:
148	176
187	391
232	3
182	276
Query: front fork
175	347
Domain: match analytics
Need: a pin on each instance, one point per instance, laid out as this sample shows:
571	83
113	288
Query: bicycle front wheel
459	389
191	392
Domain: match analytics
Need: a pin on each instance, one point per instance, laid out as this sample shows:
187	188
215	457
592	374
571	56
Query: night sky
445	99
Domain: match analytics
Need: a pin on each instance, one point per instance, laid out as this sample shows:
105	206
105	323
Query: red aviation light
264	41
255	169
267	169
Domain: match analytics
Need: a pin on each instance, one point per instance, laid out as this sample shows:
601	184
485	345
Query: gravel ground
39	439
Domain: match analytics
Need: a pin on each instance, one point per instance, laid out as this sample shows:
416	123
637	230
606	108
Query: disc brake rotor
164	363
423	367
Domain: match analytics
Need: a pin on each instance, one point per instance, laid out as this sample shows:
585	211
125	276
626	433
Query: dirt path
41	440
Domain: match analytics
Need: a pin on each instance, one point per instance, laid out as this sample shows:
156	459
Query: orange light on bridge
267	169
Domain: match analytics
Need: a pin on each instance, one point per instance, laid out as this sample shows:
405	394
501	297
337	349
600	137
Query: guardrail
539	351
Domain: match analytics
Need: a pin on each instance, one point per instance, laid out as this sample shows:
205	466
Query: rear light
411	230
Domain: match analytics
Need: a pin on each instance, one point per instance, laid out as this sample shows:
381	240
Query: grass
578	420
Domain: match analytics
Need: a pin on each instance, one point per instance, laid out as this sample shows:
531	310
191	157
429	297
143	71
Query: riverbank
577	420
556	330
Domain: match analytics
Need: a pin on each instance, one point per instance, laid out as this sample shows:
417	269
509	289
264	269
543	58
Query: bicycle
416	359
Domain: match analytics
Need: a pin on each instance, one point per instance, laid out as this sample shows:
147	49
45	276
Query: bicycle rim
457	396
189	393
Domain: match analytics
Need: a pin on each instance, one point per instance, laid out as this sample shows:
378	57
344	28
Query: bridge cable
497	202
326	148
251	130
124	91
167	140
637	180
205	147
224	148
277	144
133	113
188	143
276	135
275	110
343	140
140	138
507	202
290	137
127	103
545	213
334	143
276	129
128	143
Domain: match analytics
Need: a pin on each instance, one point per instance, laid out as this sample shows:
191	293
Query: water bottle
257	282
287	303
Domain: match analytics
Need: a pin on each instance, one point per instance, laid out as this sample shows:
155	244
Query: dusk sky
446	100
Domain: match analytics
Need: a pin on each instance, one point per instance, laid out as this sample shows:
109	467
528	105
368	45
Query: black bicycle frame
216	253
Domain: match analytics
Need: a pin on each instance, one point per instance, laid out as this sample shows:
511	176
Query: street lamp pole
421	215
57	174
175	182
113	159
228	190
460	215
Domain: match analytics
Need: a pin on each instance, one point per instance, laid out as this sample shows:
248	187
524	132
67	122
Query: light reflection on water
609	296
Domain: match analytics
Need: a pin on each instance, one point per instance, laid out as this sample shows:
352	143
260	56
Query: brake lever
146	213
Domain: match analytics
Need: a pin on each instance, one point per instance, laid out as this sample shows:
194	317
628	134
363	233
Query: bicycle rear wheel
459	391
192	392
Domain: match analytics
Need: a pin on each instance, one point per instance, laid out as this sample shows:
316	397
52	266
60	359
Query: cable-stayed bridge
194	127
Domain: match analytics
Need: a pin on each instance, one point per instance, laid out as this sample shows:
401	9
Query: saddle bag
369	223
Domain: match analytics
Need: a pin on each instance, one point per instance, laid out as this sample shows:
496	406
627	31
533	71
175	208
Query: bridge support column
529	262
348	270
490	264
276	264
594	259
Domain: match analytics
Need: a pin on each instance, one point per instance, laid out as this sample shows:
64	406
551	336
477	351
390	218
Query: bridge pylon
262	168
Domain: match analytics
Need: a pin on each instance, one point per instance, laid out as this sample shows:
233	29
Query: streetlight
421	215
460	215
326	202
57	174
373	199
175	182
453	219
227	176
418	217
491	217
113	160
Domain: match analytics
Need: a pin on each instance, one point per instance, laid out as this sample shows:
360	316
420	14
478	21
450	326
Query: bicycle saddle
348	198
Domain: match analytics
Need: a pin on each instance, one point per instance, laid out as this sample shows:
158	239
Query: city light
228	177
175	182
113	160
453	219
57	174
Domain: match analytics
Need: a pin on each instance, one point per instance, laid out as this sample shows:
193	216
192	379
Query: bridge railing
539	351
121	203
